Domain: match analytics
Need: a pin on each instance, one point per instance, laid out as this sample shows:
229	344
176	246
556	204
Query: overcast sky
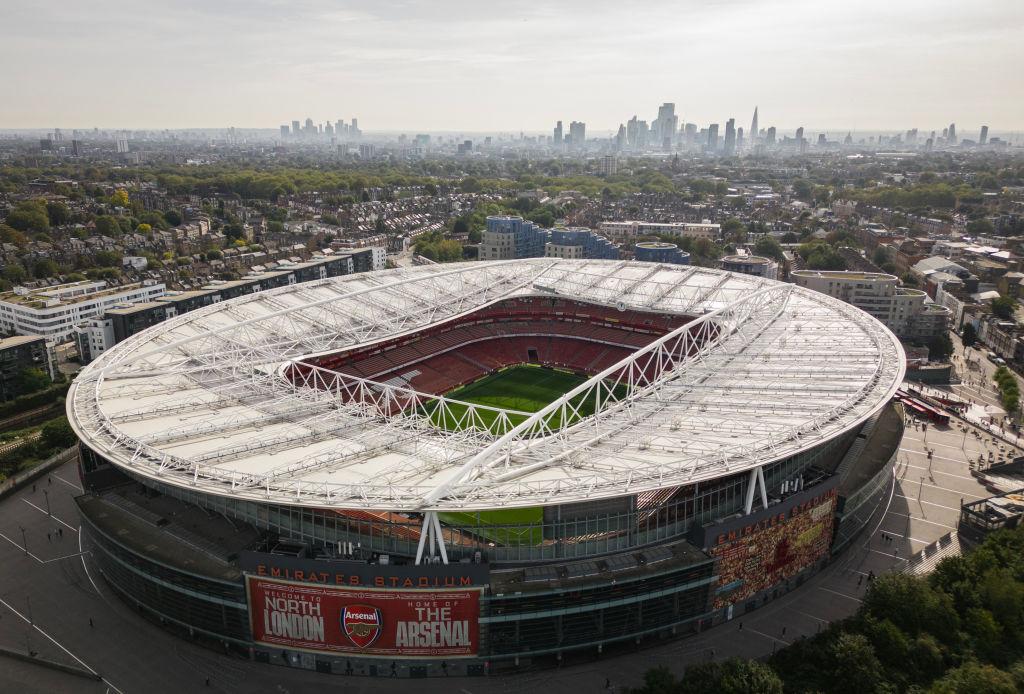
490	65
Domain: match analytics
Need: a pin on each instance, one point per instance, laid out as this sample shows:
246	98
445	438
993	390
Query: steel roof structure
204	401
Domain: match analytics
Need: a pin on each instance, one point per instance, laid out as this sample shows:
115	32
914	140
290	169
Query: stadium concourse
457	469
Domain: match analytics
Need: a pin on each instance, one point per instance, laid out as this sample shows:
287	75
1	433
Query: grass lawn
521	388
499	526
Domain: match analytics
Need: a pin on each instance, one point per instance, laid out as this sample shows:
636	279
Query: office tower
848	140
353	129
577	133
753	129
665	125
620	138
739	139
295	127
952	134
690	135
339	127
712	137
284	131
983	138
729	147
76	148
556	139
328	128
770	136
122	145
822	141
799	135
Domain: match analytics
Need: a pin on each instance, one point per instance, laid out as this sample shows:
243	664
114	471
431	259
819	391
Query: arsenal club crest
362	624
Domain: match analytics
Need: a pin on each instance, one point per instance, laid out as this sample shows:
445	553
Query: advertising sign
361	621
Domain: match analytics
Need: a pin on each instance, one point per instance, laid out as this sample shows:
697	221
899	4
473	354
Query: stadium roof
202	401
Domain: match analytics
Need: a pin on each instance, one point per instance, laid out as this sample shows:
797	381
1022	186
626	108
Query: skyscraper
556	138
952	134
769	138
295	127
713	137
729	147
983	138
577	134
665	125
753	129
284	131
799	135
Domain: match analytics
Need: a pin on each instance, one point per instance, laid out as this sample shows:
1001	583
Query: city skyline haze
460	66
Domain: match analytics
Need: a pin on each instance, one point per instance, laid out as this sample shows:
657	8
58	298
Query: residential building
121	321
660	252
53	312
629	230
509	237
751	265
18	354
579	242
904	311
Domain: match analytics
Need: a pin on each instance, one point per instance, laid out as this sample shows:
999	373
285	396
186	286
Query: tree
1003	307
460	227
802	189
15	274
909	279
119	198
11	235
57	213
108	258
31	380
29	217
880	256
173	217
768	247
43	268
143	229
58	433
108	226
980	227
940	348
969	335
330	219
470	185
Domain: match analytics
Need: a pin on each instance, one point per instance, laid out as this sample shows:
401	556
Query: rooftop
765	370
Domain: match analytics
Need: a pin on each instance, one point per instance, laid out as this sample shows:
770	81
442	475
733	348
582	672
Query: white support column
430	533
424	531
751	486
764	487
439	537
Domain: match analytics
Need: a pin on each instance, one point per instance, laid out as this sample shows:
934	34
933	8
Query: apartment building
53	312
904	311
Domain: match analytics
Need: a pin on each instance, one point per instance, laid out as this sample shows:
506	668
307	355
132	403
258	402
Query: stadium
468	465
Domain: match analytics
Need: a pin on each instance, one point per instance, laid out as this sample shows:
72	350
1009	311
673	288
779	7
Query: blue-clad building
661	252
507	237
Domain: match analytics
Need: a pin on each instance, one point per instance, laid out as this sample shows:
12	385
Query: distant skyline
505	67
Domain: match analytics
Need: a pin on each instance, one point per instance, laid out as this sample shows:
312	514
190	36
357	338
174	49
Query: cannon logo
362	624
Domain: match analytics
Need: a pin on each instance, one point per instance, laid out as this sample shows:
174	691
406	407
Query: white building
53	312
904	311
632	229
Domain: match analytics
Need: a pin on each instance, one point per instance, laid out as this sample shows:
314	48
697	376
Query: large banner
402	623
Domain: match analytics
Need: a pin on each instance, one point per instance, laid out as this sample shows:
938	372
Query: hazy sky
507	66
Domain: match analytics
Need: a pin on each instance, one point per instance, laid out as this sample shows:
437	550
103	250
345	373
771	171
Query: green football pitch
525	389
